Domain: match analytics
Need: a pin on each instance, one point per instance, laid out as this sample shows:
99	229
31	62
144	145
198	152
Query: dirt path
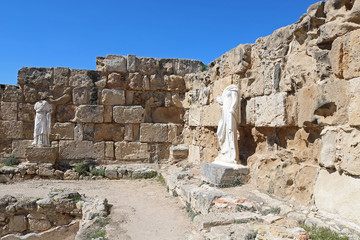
142	209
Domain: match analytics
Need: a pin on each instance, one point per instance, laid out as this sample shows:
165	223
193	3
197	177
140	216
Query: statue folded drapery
227	129
42	124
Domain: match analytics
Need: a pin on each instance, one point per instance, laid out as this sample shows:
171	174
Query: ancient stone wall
299	124
127	110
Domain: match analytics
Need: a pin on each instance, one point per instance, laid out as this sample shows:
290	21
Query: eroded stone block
167	115
219	174
79	150
41	154
63	131
153	132
8	111
125	114
113	97
131	151
89	114
270	110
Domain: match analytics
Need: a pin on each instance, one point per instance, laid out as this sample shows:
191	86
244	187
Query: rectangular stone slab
219	174
41	154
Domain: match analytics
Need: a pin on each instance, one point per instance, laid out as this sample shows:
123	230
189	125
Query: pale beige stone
41	154
195	116
250	112
71	175
304	184
63	131
108	132
174	132
11	129
80	78
131	151
79	150
354	103
113	63
211	114
153	132
109	150
348	150
89	114
270	110
129	97
19	147
8	111
128	114
107	114
194	154
328	150
113	96
17	223
338	194
167	115
129	132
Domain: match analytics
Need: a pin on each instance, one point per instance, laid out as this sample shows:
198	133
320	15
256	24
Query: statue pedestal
221	175
41	154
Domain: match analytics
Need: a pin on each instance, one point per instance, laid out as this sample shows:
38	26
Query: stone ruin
299	116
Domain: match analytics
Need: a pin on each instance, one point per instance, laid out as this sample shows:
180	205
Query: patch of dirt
142	209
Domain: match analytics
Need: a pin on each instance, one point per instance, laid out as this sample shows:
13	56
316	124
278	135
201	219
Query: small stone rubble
63	215
47	171
244	212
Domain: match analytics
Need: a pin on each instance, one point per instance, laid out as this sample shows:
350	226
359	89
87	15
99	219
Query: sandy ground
142	209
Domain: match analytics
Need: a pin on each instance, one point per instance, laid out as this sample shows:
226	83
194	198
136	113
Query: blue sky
72	33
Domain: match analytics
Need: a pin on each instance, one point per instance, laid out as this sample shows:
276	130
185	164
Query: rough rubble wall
299	108
127	110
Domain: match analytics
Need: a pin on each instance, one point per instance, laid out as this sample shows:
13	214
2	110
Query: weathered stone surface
112	63
11	129
12	94
71	175
18	223
153	132
194	154
117	80
19	147
83	78
61	76
113	97
63	131
270	110
178	153
75	150
167	115
41	154
8	111
211	114
131	151
354	102
111	173
328	150
109	150
81	95
328	187
219	174
89	114
40	77
133	114
64	113
46	172
208	221
108	132
304	184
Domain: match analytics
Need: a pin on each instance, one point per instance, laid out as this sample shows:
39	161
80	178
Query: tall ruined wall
127	110
299	129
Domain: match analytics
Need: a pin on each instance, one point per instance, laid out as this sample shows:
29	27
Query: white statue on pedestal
42	124
227	129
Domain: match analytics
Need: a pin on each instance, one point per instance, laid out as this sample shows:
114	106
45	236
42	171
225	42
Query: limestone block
195	116
30	94
136	81
175	82
19	147
147	65
63	131
330	191
64	113
304	184
133	114
12	94
113	97
129	97
194	154
109	150
174	132
39	77
11	129
153	132
354	102
46	172
131	151
107	114
250	112
61	76
131	63
219	87
112	63
270	110
8	111
219	174
157	82
108	132
117	80
179	152
211	114
17	223
81	95
79	150
184	66
89	114
129	132
84	78
41	154
26	112
328	150
79	132
348	150
71	175
111	173
38	225
167	115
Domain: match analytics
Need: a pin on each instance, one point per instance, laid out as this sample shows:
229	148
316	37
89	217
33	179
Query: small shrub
236	183
204	68
12	161
323	233
191	212
82	168
175	194
161	179
102	222
273	210
76	198
251	235
149	174
186	168
97	234
243	208
98	172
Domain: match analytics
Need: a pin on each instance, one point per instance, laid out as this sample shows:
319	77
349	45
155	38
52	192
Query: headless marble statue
227	129
42	124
